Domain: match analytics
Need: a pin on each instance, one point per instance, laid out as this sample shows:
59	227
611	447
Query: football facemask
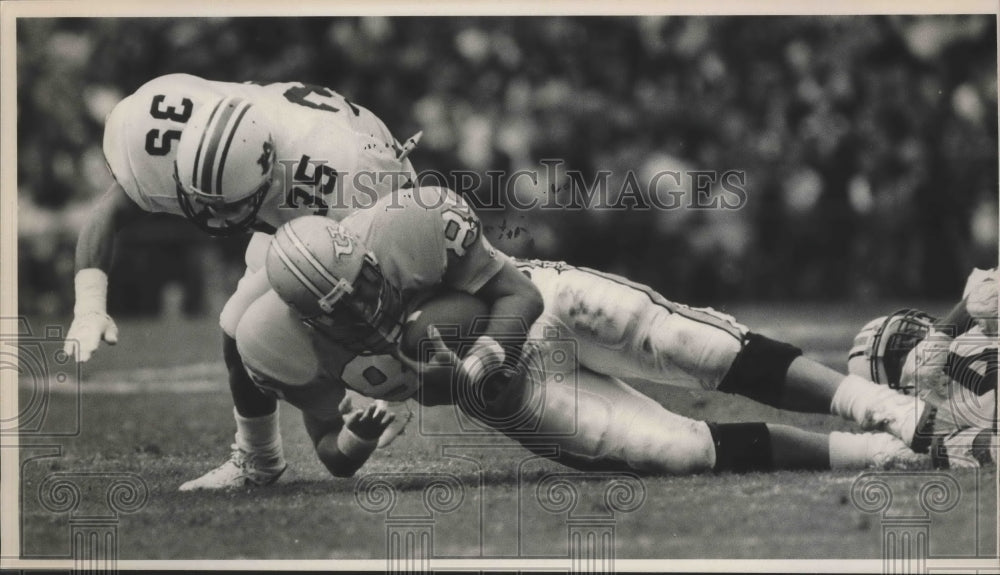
216	217
365	316
881	347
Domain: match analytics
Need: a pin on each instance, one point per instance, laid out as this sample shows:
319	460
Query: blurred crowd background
868	144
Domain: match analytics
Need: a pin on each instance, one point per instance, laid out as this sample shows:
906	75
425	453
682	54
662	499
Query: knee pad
741	447
760	369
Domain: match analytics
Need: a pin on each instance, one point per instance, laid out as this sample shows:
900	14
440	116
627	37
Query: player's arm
925	365
94	247
956	321
478	268
978	305
345	444
515	303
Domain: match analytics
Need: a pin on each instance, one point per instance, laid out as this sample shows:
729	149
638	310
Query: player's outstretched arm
956	321
978	305
94	247
344	445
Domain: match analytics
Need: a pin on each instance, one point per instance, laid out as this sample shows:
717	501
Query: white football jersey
327	148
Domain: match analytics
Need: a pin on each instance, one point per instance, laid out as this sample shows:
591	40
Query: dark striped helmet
224	165
881	347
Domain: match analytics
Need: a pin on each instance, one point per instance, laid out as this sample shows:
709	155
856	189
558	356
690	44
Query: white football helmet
224	165
334	282
882	345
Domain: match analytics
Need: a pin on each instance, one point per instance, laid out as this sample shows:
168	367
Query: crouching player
233	159
347	285
949	362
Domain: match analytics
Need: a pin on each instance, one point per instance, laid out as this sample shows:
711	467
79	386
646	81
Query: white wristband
91	292
353	446
486	353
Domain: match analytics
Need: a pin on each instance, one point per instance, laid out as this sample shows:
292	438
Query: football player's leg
629	330
625	329
271	344
794	448
258	437
249	401
598	422
778	374
811	386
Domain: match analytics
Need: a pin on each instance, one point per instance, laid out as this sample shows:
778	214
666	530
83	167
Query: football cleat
886	452
240	470
883	343
905	417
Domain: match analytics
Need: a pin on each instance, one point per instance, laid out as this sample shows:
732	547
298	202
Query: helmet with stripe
335	284
224	165
881	347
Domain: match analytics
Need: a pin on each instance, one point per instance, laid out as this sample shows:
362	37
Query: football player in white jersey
949	362
340	280
232	158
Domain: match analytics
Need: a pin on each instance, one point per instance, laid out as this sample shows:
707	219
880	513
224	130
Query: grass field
157	407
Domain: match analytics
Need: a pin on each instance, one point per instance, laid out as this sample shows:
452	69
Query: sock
260	436
848	450
872	406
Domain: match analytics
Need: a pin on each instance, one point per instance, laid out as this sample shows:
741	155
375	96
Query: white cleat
905	417
240	470
887	452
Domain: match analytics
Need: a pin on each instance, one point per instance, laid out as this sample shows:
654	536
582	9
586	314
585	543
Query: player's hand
346	406
370	423
440	369
485	361
925	369
403	416
86	332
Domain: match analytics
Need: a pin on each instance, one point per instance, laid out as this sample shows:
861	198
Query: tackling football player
232	158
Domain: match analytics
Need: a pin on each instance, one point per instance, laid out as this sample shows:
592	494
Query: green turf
166	438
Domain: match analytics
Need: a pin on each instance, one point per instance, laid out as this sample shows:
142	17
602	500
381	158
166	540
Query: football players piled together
356	276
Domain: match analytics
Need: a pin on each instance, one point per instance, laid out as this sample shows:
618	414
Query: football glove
91	323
